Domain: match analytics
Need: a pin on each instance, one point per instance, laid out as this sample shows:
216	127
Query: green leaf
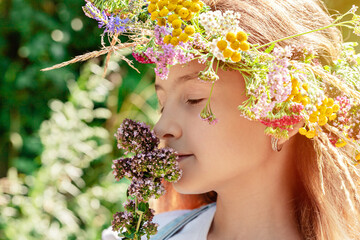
129	235
269	49
143	206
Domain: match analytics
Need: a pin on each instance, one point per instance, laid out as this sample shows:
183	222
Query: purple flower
93	12
112	24
135	136
146	169
145	188
159	163
116	25
121	220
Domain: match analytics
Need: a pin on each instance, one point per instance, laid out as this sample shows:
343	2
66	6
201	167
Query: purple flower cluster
136	137
111	23
144	189
146	169
279	75
159	33
116	25
278	86
124	220
263	104
159	163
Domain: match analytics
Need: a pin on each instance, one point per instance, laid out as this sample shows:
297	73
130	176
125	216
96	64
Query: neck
258	205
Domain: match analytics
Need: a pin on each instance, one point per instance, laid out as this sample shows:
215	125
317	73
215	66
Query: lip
182	156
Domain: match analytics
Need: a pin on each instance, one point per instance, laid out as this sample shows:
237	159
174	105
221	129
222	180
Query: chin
189	187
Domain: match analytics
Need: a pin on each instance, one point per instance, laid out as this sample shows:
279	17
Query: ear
293	131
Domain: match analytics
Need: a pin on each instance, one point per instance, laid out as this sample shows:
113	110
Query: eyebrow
184	78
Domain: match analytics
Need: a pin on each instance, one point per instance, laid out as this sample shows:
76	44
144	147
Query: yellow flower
302	131
230	36
172	6
322	109
222	44
176	32
154	15
161	21
227	53
310	134
328	112
174	41
330	102
152	7
298	97
187	4
236	57
313	118
183	12
176	23
244	46
241	36
323	120
304	101
173	17
195	7
178	8
305	86
189	17
336	107
332	117
162	4
235	45
294	90
189	30
325	101
164	12
357	157
184	37
167	39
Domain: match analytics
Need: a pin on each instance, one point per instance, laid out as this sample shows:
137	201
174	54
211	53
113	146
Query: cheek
234	144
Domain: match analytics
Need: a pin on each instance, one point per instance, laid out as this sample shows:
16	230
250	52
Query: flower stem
138	224
139	221
334	24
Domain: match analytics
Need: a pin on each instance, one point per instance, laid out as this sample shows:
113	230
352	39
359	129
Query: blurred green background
57	127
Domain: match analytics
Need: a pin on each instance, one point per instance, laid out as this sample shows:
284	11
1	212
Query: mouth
181	157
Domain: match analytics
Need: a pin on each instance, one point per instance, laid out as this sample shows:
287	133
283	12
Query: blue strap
172	227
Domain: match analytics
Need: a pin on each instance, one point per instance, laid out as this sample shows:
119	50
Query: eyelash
194	101
189	101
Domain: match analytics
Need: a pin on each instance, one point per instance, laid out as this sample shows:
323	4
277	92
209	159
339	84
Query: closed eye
194	101
189	101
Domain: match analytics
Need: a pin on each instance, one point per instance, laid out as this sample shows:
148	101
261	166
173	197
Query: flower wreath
281	90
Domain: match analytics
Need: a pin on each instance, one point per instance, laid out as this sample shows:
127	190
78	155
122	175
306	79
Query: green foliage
34	35
72	195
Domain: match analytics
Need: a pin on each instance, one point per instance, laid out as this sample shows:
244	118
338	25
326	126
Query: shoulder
162	219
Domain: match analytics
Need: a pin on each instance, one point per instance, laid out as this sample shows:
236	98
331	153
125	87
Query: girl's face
227	151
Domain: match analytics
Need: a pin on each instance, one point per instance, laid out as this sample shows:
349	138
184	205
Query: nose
168	125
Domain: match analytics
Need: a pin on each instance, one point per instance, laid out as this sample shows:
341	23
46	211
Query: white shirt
197	229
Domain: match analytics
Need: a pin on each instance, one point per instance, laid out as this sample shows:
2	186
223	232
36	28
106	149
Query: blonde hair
327	203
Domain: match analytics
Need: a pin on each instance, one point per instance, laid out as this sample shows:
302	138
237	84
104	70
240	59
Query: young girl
242	183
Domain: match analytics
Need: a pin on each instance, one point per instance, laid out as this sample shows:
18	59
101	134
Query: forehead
181	73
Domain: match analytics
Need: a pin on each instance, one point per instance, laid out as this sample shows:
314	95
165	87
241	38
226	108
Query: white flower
216	23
